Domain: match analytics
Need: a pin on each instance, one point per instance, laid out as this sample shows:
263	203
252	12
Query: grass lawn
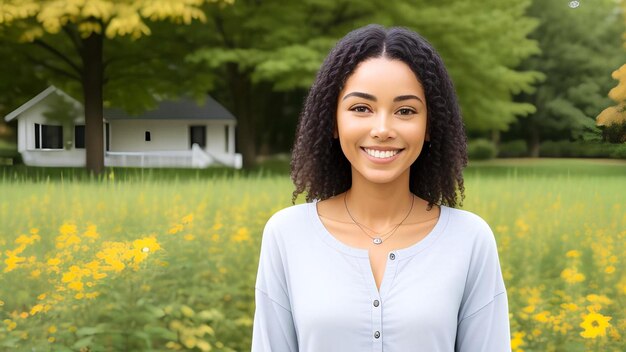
145	260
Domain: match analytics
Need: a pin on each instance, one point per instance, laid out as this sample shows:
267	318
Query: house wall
44	157
129	135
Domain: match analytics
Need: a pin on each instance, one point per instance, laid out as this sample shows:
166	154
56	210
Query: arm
273	329
483	324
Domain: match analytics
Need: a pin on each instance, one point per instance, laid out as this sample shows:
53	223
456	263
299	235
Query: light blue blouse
316	294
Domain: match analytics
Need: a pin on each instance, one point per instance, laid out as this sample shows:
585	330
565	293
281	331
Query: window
197	135
147	136
37	136
48	137
79	137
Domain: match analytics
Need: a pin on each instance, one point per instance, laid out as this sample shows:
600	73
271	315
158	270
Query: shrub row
483	149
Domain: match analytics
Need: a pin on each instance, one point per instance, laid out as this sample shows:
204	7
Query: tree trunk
92	81
241	90
533	141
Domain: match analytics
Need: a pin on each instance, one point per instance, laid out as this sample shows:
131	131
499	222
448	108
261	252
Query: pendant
377	240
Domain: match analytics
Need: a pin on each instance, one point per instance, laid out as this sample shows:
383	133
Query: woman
378	259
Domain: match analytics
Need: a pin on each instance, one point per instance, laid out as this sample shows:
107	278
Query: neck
379	205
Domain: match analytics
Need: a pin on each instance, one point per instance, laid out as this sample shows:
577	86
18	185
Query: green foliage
481	149
482	44
577	60
615	132
513	149
579	149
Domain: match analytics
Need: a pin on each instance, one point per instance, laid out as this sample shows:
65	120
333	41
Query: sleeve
273	329
483	324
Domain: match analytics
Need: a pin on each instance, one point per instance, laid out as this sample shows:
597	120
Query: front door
197	135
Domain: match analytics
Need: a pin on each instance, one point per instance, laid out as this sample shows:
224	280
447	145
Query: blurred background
102	250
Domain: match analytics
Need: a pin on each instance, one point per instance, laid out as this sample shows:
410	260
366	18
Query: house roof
183	109
39	97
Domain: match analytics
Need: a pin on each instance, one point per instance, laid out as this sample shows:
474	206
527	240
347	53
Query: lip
381	160
382	149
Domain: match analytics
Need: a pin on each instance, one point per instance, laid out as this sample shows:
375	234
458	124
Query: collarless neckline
406	252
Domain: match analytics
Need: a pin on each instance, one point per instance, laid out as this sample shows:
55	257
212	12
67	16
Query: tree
269	53
73	33
576	58
482	44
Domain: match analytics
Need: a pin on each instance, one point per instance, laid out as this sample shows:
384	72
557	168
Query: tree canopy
576	59
71	36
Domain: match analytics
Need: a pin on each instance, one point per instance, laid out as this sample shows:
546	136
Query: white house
175	134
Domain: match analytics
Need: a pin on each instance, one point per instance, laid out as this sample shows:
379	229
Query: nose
382	127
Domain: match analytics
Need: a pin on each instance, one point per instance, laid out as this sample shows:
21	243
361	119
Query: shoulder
290	220
469	226
294	214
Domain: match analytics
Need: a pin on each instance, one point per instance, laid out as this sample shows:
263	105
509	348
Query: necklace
378	239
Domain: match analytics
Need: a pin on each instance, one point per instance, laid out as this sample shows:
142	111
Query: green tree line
522	68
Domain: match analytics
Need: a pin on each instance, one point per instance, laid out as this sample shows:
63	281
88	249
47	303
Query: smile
381	154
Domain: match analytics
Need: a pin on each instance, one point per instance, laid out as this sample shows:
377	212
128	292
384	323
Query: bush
481	149
567	149
615	132
513	149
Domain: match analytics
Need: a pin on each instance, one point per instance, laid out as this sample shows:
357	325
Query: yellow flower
67	229
26	240
595	324
51	339
76	286
91	232
542	317
35	273
187	219
187	311
36	309
12	261
189	237
598	299
573	254
144	246
41	296
517	340
1	303
175	229
53	262
242	235
52	329
11	325
572	276
609	269
569	306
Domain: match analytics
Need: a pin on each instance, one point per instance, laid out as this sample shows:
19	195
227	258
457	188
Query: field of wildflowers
160	265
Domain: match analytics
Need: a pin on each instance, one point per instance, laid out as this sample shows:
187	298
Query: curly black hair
318	165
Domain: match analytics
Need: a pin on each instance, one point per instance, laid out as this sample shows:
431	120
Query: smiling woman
378	258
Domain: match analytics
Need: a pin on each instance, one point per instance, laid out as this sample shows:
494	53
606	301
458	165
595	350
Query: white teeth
381	154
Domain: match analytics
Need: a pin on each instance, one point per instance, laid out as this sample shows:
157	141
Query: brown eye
406	111
360	109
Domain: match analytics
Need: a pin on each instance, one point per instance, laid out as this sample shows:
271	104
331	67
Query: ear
427	137
335	133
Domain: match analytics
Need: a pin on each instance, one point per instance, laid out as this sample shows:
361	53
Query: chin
381	176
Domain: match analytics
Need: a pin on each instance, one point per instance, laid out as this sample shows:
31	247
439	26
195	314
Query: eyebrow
373	98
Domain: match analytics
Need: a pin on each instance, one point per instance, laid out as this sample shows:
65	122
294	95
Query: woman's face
381	119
